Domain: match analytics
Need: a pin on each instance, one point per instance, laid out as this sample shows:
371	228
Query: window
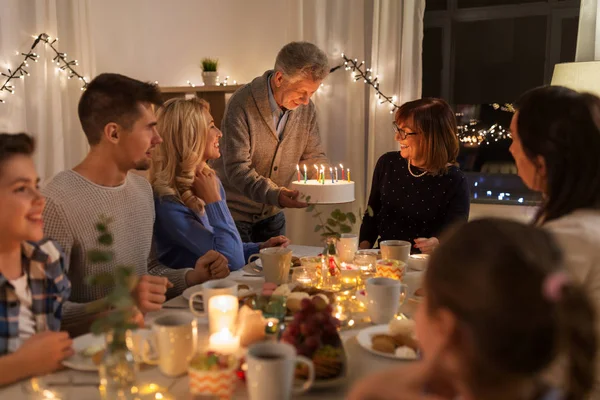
480	56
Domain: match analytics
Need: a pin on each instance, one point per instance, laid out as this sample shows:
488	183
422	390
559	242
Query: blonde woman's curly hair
183	126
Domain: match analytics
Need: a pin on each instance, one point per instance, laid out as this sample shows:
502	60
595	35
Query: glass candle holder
366	262
305	276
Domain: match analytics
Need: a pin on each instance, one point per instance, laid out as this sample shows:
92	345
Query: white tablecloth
360	361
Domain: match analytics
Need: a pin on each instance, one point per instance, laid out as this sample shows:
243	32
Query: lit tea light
224	342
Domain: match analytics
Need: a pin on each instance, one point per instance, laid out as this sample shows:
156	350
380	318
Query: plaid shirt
43	264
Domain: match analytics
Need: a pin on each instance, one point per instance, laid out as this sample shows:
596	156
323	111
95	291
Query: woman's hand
426	245
364	245
277	241
206	186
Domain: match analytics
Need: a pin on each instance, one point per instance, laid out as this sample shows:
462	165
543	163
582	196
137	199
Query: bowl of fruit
213	374
314	333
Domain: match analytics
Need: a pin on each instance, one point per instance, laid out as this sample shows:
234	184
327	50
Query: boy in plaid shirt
33	286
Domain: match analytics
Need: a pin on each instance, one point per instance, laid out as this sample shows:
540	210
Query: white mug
276	262
270	374
175	339
347	246
395	250
384	297
210	289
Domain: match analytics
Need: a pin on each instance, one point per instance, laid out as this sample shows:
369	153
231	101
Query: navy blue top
407	207
183	235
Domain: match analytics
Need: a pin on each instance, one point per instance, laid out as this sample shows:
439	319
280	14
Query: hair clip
554	284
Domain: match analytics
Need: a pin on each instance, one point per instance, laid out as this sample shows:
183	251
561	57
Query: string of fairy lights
63	64
468	134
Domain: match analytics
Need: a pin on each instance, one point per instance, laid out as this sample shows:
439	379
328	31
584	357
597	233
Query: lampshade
580	76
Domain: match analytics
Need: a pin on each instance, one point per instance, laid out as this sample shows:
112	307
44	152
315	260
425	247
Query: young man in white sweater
117	116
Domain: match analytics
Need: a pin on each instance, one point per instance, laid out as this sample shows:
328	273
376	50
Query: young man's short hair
113	98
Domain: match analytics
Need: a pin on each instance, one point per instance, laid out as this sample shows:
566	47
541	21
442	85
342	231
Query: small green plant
122	280
210	64
337	223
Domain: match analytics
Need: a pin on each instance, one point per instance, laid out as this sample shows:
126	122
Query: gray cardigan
254	163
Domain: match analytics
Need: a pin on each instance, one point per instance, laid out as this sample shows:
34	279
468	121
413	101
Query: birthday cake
328	192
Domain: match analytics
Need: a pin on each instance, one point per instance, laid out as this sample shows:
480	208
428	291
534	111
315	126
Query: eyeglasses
401	132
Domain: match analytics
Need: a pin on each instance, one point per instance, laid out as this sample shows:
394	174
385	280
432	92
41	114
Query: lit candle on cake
318	173
336	175
322	174
331	173
342	167
298	170
348	174
305	175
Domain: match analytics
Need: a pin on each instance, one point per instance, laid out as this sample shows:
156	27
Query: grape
298	317
303	351
292	330
307	329
321	318
306	304
312	342
330	329
329	309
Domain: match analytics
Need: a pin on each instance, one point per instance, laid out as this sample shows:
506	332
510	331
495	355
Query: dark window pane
488	3
432	62
568	39
436	5
497	60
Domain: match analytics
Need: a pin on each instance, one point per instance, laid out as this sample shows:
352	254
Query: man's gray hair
303	60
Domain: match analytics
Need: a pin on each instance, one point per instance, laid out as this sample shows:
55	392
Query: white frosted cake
327	193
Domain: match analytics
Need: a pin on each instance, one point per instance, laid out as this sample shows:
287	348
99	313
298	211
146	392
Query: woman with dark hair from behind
498	311
419	190
556	146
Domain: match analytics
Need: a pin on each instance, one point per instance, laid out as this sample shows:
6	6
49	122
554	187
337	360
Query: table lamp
579	76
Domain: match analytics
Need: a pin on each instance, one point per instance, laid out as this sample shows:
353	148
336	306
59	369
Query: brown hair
113	98
562	126
13	144
435	121
490	274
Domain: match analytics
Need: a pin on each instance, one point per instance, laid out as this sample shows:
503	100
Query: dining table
360	362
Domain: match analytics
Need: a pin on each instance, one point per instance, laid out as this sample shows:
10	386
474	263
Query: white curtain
588	34
356	130
45	103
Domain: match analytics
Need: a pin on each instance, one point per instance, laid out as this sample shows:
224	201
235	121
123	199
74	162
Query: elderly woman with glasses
419	191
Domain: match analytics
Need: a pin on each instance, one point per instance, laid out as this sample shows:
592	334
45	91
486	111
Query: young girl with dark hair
498	312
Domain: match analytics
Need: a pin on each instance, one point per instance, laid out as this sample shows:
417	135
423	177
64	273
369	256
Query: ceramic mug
270	374
276	263
175	340
210	289
395	250
384	297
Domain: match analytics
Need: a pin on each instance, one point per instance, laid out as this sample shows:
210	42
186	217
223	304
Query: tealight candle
222	312
224	342
272	328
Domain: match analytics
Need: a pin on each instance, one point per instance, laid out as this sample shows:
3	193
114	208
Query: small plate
80	362
364	339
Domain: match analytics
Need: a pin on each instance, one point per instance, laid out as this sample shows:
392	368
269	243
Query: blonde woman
192	217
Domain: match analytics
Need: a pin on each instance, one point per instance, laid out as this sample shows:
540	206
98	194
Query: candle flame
304	167
297	167
341	166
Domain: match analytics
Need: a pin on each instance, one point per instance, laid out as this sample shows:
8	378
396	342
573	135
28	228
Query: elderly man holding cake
269	127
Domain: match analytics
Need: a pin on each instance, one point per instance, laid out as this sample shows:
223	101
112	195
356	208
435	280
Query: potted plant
209	71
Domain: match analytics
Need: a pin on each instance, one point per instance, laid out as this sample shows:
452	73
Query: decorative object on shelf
60	58
209	71
118	368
